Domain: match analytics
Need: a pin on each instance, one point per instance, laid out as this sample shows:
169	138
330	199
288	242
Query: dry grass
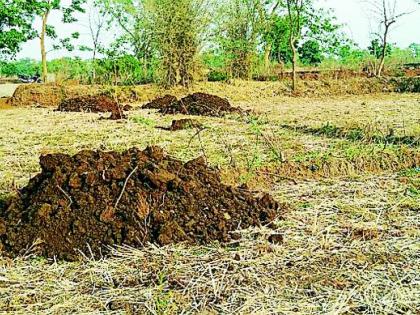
350	240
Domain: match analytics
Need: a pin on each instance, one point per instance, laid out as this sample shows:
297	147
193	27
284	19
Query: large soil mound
92	104
47	95
96	198
161	102
200	104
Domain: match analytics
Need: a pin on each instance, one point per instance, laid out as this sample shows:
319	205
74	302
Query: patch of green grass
410	172
316	156
144	121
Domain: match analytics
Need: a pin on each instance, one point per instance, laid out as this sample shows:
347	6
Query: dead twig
125	185
66	194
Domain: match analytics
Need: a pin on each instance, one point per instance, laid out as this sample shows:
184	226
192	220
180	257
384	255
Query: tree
25	67
133	18
270	20
376	50
240	25
177	28
278	36
44	8
310	53
387	15
295	10
96	25
16	17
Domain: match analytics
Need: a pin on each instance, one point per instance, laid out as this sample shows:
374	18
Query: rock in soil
96	199
93	104
200	104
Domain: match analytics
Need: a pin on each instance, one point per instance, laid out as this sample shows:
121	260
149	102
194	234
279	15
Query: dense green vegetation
177	42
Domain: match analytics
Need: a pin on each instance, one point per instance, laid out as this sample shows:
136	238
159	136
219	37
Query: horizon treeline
175	42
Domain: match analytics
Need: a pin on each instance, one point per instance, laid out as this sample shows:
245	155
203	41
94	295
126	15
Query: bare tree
295	10
96	25
133	18
387	14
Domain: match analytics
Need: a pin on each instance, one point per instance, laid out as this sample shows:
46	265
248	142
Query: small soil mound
93	104
182	124
94	199
200	104
161	102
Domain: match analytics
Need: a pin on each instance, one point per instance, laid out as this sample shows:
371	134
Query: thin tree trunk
294	62
43	50
267	54
383	52
94	65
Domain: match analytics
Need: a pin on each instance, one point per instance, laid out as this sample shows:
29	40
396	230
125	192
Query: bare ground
350	242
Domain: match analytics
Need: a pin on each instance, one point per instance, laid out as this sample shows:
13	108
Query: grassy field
346	168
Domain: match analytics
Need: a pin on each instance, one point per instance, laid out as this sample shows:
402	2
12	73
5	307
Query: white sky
354	14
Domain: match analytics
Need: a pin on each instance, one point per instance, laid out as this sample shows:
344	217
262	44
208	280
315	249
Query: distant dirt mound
48	95
45	95
182	124
161	102
94	199
200	104
92	104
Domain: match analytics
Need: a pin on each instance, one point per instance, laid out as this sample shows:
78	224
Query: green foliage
120	70
215	62
278	37
310	53
239	25
24	67
70	68
16	17
415	50
375	48
144	121
132	17
318	36
176	26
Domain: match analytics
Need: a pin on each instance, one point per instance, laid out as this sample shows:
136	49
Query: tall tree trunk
94	64
43	50
294	62
383	52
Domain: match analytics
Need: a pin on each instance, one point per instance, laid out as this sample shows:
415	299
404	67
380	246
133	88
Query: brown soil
182	124
98	199
93	104
51	95
161	102
48	95
200	104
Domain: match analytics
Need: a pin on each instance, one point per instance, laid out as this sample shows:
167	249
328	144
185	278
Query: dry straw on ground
348	244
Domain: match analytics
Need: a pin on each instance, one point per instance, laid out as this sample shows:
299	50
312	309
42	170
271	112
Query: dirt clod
94	199
200	104
93	104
